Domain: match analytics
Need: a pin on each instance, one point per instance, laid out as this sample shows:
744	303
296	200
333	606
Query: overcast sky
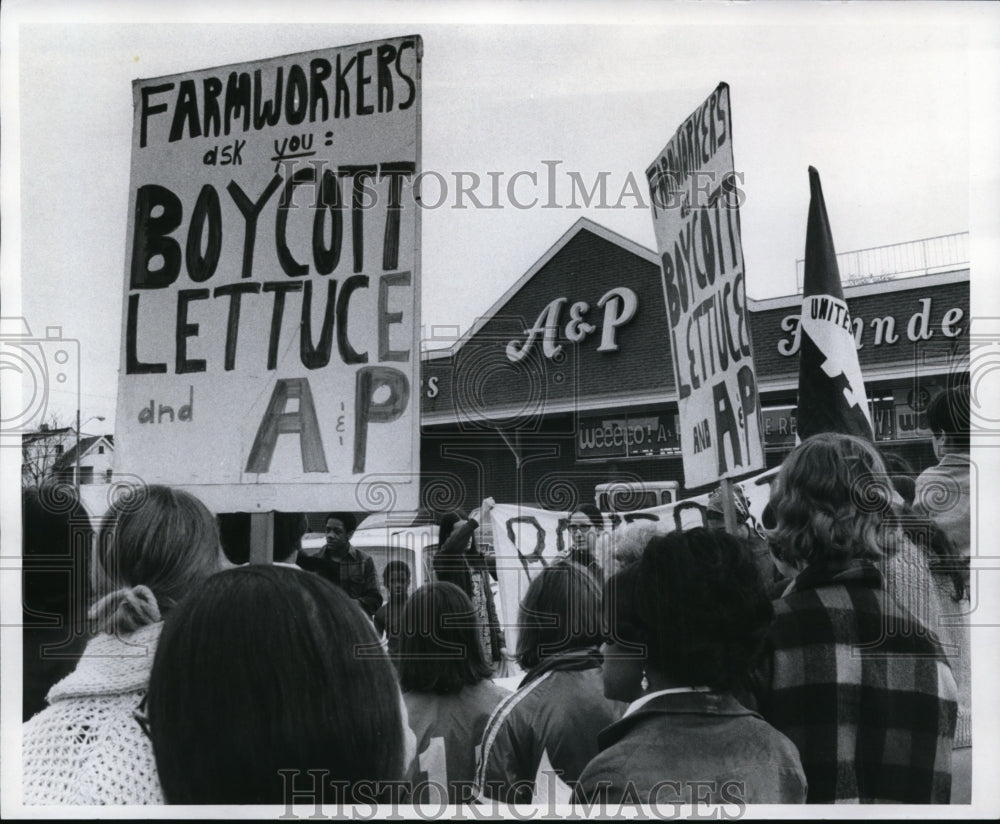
879	99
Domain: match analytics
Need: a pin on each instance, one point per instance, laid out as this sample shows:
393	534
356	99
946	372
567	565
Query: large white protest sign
695	202
270	332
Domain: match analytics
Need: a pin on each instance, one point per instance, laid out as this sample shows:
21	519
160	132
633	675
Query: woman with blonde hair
860	686
87	747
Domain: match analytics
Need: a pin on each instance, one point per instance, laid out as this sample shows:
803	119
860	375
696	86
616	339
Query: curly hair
348	519
630	539
697	602
829	500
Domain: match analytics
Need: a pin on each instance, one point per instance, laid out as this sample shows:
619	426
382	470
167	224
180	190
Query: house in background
96	453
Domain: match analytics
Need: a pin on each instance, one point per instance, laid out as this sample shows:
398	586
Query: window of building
86	474
100	450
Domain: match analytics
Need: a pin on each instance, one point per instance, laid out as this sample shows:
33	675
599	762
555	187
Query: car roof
398	519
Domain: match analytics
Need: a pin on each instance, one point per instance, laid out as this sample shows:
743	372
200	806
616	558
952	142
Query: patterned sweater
87	747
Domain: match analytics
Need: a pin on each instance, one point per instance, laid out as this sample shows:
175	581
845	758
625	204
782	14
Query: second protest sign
696	198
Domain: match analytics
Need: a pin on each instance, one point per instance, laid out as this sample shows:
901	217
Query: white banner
527	540
270	351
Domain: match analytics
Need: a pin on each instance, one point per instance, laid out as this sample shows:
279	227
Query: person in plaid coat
853	679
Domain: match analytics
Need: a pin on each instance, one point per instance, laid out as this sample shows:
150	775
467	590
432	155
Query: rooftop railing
927	256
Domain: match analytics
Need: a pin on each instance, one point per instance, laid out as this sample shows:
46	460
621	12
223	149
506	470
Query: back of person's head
261	674
630	539
154	546
448	522
698	603
829	500
561	611
289	527
56	541
347	519
592	512
948	415
439	649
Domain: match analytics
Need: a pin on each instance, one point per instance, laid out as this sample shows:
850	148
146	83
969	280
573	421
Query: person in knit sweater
943	587
87	746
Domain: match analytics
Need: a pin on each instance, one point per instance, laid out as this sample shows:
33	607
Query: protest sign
695	203
270	331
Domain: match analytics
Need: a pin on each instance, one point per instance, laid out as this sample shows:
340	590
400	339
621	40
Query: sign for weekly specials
626	436
696	196
270	331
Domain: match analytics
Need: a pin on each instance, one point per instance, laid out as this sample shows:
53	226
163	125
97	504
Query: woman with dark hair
248	693
539	739
585	525
683	626
86	747
458	561
447	689
849	675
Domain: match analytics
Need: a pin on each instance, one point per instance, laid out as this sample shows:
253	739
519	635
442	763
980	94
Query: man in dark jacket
347	567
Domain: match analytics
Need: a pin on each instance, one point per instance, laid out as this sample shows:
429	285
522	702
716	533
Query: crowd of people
820	658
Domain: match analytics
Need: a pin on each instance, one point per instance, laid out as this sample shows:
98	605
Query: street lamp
76	472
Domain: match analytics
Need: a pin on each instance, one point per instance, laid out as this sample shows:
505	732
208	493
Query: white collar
649	696
111	665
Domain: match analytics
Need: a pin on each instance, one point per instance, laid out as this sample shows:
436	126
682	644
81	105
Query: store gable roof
581	225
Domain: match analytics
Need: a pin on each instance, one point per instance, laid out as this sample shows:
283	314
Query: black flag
832	395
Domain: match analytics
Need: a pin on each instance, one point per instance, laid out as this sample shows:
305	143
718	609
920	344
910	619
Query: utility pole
76	471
